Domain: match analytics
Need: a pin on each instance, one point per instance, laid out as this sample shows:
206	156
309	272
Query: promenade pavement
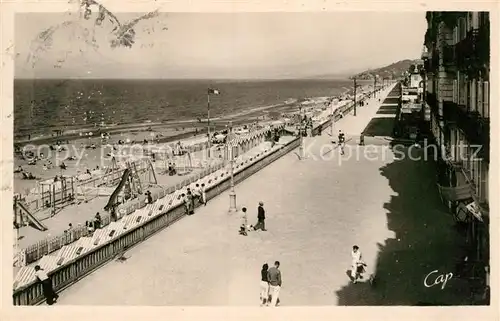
317	209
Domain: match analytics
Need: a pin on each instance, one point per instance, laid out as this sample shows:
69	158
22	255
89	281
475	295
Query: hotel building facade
456	75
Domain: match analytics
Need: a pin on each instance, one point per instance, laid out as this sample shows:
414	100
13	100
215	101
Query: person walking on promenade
197	193
357	264
244	224
191	201
341	142
185	200
49	293
261	217
203	194
264	285
274	278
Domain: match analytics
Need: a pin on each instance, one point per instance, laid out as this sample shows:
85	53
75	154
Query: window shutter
475	20
486	99
455	91
463	28
473	102
480	106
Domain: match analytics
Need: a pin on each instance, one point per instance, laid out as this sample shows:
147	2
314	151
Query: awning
475	210
457	193
462	213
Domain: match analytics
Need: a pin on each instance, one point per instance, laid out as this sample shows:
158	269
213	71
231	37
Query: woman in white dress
357	264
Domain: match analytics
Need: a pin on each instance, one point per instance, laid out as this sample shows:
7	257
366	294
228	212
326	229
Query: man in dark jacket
48	291
261	216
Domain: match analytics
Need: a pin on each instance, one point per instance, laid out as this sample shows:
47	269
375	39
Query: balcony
449	112
449	57
472	54
431	100
476	128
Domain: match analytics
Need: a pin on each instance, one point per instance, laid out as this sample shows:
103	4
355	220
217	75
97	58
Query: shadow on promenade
426	240
384	126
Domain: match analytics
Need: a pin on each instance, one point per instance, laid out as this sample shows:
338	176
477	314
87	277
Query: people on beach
274	279
113	215
171	169
48	291
90	227
149	198
261	217
264	285
97	221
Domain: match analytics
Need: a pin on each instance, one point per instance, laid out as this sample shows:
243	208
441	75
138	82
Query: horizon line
177	79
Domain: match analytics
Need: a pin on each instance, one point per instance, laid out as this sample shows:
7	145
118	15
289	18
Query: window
475	171
462	90
462	28
467	95
455	91
472	96
483	18
475	20
480	106
484	182
455	35
486	99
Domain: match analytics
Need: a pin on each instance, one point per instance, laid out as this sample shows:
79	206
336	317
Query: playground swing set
53	196
57	194
130	186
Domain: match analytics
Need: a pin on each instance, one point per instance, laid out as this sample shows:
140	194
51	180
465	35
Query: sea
43	105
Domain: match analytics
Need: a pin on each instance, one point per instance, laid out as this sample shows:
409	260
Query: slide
112	198
33	220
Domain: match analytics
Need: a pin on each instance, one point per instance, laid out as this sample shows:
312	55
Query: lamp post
355	101
208	123
333	120
232	193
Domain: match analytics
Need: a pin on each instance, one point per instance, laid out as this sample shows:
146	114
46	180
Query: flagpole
332	116
232	193
208	122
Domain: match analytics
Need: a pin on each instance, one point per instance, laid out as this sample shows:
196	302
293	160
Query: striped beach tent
24	276
84	244
48	263
67	253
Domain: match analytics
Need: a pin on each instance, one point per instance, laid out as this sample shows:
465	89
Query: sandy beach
77	142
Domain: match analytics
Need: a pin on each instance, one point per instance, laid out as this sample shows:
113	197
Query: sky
218	45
